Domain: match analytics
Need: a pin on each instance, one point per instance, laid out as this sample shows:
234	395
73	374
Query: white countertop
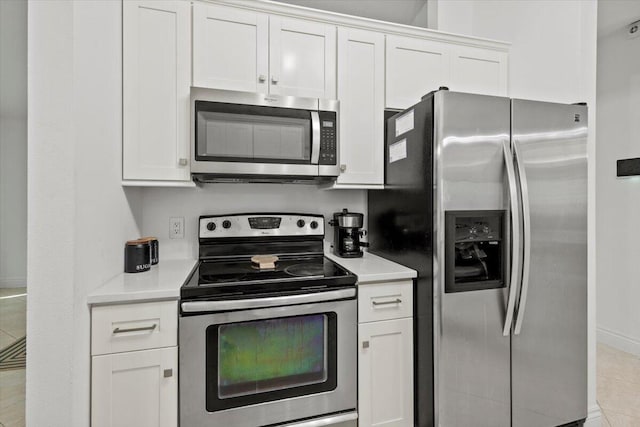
163	281
371	268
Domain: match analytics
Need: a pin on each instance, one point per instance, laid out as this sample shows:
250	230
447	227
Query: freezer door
549	343
471	260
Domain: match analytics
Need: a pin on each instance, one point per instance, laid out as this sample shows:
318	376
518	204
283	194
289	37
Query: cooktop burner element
228	244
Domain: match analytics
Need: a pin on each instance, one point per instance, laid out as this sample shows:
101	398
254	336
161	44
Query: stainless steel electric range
270	342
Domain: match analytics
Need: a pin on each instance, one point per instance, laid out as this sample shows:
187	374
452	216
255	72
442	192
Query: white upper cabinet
237	49
415	67
361	95
302	58
156	76
478	70
230	48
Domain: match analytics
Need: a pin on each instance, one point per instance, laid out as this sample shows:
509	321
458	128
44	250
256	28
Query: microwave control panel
328	138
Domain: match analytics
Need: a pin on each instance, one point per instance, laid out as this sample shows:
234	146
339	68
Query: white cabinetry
385	358
416	67
134	373
361	95
156	77
238	49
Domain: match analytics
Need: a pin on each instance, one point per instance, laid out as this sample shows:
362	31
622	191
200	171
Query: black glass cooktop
225	278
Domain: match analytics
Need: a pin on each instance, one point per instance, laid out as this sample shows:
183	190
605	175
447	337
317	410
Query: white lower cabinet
135	389
385	361
134	365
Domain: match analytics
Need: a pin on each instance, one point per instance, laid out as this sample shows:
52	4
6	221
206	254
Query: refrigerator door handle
526	259
515	241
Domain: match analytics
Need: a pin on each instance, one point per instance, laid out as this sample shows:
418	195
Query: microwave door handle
315	137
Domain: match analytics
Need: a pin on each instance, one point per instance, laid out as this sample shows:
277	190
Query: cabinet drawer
383	301
117	328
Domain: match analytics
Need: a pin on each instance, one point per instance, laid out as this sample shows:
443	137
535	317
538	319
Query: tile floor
618	373
13	321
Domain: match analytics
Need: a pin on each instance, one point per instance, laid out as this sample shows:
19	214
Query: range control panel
260	224
328	138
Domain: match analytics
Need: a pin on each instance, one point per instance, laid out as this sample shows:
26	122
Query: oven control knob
300	223
314	224
226	223
211	226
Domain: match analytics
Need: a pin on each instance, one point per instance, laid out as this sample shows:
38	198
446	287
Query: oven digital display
264	222
274	354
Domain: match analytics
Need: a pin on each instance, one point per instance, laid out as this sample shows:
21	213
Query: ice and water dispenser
475	248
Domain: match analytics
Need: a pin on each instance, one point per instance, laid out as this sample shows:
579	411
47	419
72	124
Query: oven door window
249	134
265	360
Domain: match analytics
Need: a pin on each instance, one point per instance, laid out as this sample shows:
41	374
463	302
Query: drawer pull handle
395	301
144	328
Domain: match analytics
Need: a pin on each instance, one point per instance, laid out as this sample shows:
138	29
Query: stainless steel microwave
243	136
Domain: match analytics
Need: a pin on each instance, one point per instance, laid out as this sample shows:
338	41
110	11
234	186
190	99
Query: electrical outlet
176	227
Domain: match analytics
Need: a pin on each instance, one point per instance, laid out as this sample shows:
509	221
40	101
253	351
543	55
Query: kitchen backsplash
160	204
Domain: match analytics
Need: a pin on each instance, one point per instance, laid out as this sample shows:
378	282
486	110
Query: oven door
239	133
269	365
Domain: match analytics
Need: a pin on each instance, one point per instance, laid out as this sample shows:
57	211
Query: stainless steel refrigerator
486	197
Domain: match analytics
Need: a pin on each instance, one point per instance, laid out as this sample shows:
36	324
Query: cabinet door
230	48
385	373
135	389
302	58
156	78
414	68
478	70
361	95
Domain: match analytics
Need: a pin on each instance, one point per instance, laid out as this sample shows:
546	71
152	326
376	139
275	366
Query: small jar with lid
137	256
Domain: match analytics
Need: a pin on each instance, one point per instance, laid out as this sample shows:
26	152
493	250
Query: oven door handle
242	304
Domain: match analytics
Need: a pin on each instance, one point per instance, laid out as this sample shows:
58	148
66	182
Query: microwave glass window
253	138
275	354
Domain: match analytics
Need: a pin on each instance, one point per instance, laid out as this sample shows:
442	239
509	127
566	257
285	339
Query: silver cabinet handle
315	137
208	306
343	168
526	257
262	78
168	373
144	328
182	162
274	80
515	244
395	301
365	344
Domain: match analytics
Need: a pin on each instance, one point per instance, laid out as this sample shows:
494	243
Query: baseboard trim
13	282
619	341
594	417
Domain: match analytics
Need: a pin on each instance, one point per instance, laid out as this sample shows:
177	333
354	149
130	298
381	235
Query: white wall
162	203
552	58
618	198
13	143
79	215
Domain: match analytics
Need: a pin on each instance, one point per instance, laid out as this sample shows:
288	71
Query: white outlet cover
176	227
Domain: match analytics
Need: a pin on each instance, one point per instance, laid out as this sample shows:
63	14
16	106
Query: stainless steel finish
193	358
143	328
350	220
471	356
240	226
315	137
260	169
365	344
549	356
513	283
274	80
343	168
395	301
250	98
331	105
168	373
526	256
182	162
325	421
262	78
243	304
